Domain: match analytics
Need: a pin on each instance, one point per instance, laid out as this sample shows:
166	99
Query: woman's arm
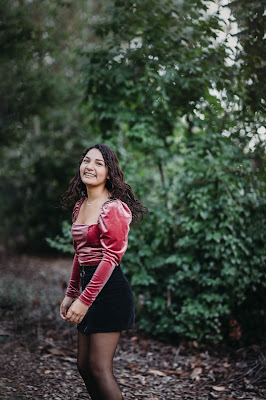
74	282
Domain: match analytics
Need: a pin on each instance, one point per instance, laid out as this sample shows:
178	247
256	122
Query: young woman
104	209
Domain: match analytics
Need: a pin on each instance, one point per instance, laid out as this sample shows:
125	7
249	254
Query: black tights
95	364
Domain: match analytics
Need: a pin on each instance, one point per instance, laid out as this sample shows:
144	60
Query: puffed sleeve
74	282
76	209
114	227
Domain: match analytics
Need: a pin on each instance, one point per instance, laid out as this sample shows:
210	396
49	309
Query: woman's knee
92	368
99	369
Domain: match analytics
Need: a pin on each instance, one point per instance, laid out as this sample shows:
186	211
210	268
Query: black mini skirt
113	308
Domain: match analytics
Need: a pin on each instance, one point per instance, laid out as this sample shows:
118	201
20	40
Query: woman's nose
90	165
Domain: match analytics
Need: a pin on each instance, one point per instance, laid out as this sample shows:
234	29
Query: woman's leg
83	364
95	364
102	350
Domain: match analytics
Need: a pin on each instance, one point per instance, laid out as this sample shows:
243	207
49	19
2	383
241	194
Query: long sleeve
114	227
74	283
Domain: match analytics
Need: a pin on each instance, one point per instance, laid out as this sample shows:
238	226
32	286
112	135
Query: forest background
162	84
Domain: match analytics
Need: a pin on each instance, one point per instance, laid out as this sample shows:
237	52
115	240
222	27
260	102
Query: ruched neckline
78	208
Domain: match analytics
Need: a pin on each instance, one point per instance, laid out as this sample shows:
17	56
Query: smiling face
93	171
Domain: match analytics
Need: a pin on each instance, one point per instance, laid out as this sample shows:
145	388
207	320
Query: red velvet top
102	244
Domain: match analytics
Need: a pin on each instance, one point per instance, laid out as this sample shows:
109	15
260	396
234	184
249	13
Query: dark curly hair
116	184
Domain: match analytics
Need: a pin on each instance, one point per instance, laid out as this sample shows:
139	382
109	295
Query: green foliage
250	18
203	255
148	70
41	124
63	242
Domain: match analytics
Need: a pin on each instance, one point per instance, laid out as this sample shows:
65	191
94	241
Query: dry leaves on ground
41	363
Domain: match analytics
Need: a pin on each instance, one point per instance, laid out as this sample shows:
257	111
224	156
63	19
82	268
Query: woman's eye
99	163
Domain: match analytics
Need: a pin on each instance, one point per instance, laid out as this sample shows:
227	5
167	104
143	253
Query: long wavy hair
115	184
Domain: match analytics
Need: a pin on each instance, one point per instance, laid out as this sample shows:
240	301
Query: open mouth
89	175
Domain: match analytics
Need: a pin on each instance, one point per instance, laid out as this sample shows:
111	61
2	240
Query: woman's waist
90	258
90	266
90	269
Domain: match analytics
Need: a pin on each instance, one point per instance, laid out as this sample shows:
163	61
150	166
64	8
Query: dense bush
42	128
201	262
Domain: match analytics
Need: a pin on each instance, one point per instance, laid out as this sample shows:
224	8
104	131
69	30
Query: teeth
87	174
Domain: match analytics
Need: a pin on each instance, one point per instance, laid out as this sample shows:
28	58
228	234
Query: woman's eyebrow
96	159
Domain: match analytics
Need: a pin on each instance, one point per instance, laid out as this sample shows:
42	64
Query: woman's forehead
94	153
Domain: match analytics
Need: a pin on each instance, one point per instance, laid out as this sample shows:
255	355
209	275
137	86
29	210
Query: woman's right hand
66	303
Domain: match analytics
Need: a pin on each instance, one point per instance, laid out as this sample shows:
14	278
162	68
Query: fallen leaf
156	372
56	352
196	373
70	359
133	365
48	371
143	343
235	329
174	371
123	383
51	333
220	388
47	355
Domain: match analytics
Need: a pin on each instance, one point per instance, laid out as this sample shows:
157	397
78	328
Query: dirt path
38	352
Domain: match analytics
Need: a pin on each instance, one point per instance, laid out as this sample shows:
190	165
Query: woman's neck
97	193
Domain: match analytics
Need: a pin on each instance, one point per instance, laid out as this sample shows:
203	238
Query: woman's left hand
76	312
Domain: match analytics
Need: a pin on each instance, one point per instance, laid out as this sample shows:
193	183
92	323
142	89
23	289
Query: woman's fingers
74	317
71	317
66	303
62	312
76	312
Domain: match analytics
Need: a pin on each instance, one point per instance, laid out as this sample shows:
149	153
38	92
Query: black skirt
113	308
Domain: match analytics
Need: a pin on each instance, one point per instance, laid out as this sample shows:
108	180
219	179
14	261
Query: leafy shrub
202	261
64	242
